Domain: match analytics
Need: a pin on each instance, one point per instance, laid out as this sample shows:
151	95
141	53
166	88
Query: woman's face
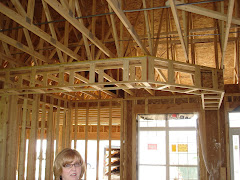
71	171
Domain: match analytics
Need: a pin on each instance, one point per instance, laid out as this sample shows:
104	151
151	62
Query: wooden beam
115	35
206	12
39	32
116	8
228	25
62	11
22	47
148	27
11	59
52	29
86	44
178	26
30	9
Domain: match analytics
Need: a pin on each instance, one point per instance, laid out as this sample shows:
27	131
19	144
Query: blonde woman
69	165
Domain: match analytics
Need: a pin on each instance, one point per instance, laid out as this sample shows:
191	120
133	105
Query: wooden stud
110	141
42	133
22	148
75	125
4	119
134	143
57	127
69	126
50	144
31	162
64	126
98	138
86	135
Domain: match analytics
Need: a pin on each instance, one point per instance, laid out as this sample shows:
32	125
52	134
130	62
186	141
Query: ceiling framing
80	49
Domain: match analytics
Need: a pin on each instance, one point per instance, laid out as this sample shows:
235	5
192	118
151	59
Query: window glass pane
183	173
183	148
152	172
152	148
152	120
236	158
182	120
234	119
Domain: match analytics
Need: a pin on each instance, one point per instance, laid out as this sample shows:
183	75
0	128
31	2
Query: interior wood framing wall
41	117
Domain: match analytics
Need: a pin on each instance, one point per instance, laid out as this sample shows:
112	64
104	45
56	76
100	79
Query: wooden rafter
31	27
85	40
116	8
228	25
61	10
23	48
206	12
52	29
177	23
148	28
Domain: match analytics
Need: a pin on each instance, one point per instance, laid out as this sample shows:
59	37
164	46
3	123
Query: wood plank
75	125
31	161
30	9
86	136
148	27
134	143
12	138
122	140
23	48
50	143
55	5
115	35
39	32
22	147
228	26
51	27
69	126
177	23
4	120
98	139
206	12
42	133
64	126
86	44
110	141
115	6
57	128
93	24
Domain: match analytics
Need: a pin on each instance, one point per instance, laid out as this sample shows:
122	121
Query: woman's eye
77	164
68	165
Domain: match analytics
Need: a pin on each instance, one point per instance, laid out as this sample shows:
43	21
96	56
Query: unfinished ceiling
52	46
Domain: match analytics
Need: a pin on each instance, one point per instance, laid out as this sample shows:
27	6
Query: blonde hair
64	157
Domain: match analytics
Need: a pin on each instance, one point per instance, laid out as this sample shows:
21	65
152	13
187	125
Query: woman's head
68	164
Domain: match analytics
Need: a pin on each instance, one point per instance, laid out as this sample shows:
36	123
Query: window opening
167	147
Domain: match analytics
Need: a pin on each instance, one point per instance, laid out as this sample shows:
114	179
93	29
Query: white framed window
167	147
